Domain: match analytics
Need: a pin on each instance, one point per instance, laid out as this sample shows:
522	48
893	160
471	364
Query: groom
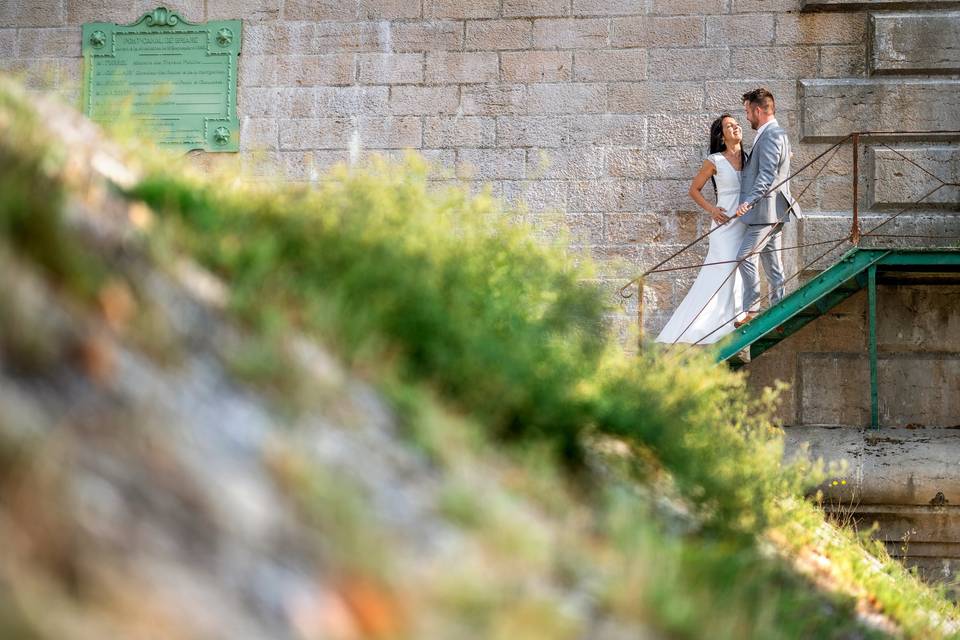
765	203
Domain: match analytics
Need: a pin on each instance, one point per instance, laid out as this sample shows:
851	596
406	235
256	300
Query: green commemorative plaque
175	79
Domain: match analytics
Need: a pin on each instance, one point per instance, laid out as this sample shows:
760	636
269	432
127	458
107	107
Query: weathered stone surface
821	28
536	66
499	34
841	61
390	68
888	467
454	67
567	98
535	8
426	36
830	109
428	101
897	182
688	64
583	33
859	5
757	29
491	164
915	42
462	131
47	43
494	99
679	31
461	9
774	62
611	65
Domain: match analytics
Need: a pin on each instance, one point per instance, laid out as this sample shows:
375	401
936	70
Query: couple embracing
753	202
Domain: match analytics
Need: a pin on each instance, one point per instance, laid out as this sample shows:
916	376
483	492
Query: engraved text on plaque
176	79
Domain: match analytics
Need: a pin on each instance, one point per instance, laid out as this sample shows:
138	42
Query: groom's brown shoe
746	320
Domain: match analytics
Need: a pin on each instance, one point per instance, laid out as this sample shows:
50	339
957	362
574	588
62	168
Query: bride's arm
696	187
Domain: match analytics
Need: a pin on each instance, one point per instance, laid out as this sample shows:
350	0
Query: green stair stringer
834	285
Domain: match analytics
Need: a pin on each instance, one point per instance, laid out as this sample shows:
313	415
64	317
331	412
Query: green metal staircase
859	268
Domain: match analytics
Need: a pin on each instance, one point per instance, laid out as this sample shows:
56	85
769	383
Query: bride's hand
719	215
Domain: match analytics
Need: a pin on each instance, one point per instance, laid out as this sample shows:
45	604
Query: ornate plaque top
175	78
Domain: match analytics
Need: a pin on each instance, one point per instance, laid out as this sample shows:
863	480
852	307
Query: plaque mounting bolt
221	135
98	39
224	37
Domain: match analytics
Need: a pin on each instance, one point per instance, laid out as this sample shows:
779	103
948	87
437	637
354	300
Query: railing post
855	227
640	313
872	313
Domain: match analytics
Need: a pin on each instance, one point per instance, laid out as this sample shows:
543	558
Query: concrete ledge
861	5
831	109
890	467
914	42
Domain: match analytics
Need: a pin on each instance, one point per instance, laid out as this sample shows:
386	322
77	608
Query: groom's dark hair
762	98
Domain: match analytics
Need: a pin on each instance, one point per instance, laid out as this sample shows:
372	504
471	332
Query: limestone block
250	11
499	34
349	101
898	183
537	196
336	37
605	194
773	62
434	35
653	97
491	164
494	99
386	9
8	43
688	7
428	101
258	134
615	65
390	68
842	61
452	67
567	98
923	42
339	133
536	66
752	6
310	71
688	64
666	162
530	131
319	10
535	8
458	131
567	33
608	7
727	95
584	228
33	13
47	43
757	29
656	31
821	28
830	109
567	163
461	8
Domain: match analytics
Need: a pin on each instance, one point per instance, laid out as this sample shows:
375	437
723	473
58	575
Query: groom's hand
742	209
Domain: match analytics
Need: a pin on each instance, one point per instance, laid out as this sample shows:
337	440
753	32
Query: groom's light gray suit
767	166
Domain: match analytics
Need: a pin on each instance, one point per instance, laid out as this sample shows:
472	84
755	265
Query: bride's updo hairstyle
718	145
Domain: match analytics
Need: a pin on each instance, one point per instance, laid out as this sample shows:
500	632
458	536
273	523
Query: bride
714	302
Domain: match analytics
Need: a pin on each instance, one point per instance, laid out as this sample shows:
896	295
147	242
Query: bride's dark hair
718	145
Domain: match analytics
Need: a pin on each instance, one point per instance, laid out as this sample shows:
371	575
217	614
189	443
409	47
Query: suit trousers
767	240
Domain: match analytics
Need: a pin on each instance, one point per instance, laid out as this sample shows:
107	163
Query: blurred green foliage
448	289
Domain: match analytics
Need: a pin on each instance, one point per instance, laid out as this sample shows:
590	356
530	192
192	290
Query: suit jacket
767	166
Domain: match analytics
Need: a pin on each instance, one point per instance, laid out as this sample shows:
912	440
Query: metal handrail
853	237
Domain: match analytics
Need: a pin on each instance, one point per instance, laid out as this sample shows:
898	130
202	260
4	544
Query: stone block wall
594	113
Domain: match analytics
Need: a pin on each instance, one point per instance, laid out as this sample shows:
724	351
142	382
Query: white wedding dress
715	300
